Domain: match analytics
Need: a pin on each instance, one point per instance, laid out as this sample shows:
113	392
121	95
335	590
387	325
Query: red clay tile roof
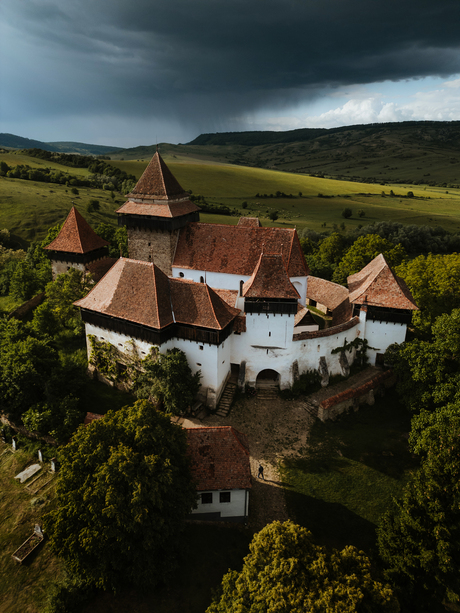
158	182
270	279
236	249
98	268
219	458
76	236
240	323
167	209
325	292
141	293
132	290
90	417
304	318
377	285
230	296
249	222
198	305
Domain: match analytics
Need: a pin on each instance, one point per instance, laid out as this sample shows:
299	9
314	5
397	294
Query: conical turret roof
158	182
76	236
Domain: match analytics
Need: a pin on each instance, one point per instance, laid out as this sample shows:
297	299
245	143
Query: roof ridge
212	304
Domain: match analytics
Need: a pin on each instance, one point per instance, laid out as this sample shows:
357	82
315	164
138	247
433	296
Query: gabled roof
140	292
270	279
236	249
325	292
158	182
377	285
304	318
76	236
199	305
219	458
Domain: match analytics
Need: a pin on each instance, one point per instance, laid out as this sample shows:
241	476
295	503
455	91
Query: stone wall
354	397
26	307
303	336
155	246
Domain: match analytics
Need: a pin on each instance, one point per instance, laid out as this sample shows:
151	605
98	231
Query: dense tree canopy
286	573
434	281
363	251
124	489
168	379
419	539
57	312
37	384
429	371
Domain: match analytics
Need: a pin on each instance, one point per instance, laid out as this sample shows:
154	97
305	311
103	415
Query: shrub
347	213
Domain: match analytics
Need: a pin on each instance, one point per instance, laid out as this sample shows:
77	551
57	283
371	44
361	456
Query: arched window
201	279
241	287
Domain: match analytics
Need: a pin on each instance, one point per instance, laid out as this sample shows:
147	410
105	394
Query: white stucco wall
237	507
212	360
380	335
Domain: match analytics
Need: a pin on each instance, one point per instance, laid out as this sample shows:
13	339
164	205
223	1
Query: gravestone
40	456
54	465
38	530
14	443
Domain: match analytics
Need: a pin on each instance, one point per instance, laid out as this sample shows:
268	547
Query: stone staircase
267	393
226	399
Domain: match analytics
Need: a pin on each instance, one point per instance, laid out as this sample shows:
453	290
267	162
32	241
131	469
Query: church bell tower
156	210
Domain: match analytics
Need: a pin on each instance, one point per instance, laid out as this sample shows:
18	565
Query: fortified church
233	298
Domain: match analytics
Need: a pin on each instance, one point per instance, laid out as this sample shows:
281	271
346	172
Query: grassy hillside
412	152
29	208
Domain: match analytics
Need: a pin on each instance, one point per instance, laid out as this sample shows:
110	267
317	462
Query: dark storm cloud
209	60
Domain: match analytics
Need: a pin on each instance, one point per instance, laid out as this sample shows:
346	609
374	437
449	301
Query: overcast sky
132	72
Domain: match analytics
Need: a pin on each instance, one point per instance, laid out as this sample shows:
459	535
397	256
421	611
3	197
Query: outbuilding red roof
141	293
249	222
236	249
376	284
270	279
219	458
166	209
76	236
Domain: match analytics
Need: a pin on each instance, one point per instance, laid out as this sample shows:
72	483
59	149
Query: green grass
208	551
23	586
348	478
29	208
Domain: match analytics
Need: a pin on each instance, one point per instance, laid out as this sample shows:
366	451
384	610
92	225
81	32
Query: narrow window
269	334
206	498
201	279
241	287
201	347
224	497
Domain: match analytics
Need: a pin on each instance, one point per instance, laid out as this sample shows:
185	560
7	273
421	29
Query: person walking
260	474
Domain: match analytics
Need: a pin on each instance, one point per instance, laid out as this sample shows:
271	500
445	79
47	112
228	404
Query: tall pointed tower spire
157	208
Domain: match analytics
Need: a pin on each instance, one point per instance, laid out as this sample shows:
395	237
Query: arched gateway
268	378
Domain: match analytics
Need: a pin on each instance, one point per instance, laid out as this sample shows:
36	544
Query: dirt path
275	429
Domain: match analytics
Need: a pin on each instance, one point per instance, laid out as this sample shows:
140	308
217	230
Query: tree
419	539
429	371
285	571
117	237
57	313
347	213
363	251
168	379
434	281
273	215
123	491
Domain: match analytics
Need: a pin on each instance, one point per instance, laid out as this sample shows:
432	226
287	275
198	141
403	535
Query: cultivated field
29	208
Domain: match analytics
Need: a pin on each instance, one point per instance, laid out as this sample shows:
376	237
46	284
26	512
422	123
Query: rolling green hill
11	141
425	153
28	208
